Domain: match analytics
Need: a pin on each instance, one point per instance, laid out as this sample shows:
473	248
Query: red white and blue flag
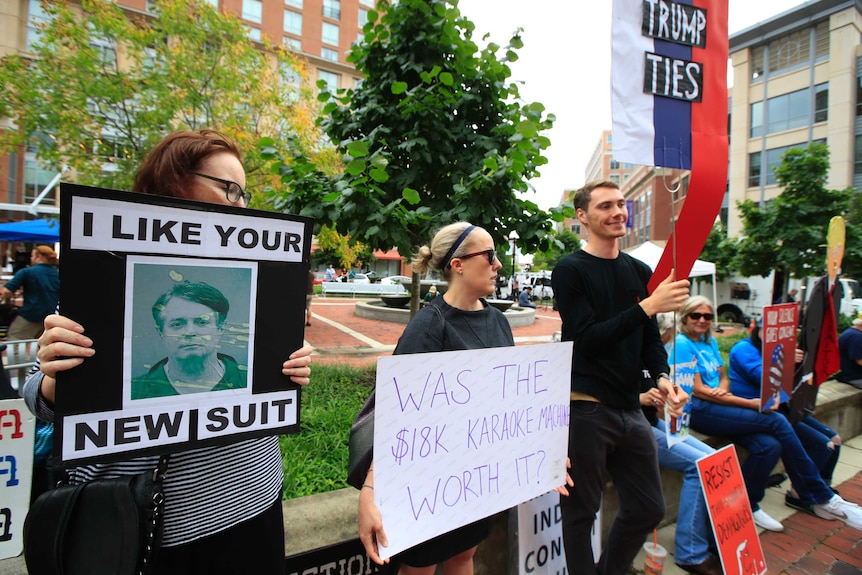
669	86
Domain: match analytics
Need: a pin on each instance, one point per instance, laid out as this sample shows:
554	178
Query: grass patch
725	342
315	459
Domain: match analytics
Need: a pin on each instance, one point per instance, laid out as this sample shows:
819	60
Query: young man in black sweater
606	310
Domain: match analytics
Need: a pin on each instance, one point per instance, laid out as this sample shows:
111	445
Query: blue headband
456	245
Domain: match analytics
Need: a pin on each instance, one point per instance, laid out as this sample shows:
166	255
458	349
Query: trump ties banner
670	106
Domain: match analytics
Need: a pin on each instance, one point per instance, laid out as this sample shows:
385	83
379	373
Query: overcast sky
565	65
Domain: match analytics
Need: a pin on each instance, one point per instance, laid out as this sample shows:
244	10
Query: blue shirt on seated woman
822	443
715	410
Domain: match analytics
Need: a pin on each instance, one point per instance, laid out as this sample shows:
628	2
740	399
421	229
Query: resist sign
462	435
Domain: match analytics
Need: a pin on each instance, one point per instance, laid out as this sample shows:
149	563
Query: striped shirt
206	490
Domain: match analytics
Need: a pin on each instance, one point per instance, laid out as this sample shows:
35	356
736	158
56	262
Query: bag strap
159	474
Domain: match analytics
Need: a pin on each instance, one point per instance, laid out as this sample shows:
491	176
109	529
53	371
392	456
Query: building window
363	17
615	178
294	44
614	165
36	178
106	52
791	51
331	79
821	102
756	129
252	10
37	17
293	22
857	164
787	112
369	3
332	9
754	170
329	54
330	34
790	111
253	33
213	3
576	229
294	3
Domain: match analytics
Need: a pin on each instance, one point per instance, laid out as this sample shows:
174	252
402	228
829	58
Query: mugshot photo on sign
190	328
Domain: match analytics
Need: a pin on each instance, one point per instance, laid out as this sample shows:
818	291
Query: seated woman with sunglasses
766	435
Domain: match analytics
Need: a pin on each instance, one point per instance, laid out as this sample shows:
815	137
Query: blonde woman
460	319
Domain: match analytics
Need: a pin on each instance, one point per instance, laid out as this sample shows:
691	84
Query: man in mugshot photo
190	319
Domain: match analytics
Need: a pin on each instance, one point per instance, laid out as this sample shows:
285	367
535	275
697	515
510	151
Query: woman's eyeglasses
232	191
491	254
696	316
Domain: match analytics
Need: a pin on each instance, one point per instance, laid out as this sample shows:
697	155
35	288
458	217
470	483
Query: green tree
434	134
102	86
564	243
720	250
788	235
852	263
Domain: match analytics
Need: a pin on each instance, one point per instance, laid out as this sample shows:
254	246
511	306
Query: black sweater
614	339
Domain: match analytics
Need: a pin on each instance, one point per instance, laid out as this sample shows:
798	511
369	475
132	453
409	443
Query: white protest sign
462	435
540	536
17	433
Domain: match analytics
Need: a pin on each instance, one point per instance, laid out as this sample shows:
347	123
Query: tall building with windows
796	80
322	31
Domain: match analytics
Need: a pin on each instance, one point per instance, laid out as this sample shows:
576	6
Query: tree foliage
788	235
340	248
434	134
102	86
720	250
564	243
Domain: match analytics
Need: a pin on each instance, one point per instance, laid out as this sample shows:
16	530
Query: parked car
360	279
319	278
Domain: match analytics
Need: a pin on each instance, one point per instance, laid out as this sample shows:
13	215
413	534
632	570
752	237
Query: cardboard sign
461	435
192	308
347	557
730	513
17	434
779	351
682	375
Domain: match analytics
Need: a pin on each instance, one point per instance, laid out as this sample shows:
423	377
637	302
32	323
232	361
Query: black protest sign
192	308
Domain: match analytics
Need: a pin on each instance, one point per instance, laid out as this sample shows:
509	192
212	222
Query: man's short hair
529	287
581	199
198	292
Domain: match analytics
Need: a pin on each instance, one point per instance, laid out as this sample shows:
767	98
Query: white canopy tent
650	253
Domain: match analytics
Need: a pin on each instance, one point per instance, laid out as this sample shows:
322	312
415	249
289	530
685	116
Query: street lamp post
513	237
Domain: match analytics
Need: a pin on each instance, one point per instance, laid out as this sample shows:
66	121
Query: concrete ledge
376	309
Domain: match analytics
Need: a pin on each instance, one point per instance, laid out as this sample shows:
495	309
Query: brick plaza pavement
337	334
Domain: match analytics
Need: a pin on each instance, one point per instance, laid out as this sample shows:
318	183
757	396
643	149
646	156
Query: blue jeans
765	435
815	437
693	534
621	442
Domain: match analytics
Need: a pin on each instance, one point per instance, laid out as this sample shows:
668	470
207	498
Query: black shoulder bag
102	526
361	443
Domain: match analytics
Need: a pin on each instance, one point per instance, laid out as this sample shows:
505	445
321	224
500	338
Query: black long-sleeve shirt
614	339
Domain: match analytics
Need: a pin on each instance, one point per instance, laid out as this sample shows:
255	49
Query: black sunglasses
491	254
232	191
696	316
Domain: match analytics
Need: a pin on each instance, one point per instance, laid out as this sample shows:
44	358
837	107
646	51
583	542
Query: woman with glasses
460	319
222	510
715	410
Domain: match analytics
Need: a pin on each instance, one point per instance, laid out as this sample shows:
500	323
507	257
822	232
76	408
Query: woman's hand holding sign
62	346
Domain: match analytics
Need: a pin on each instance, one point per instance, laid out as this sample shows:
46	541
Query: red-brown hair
166	171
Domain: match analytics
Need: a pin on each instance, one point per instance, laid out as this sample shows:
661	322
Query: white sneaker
837	508
762	519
